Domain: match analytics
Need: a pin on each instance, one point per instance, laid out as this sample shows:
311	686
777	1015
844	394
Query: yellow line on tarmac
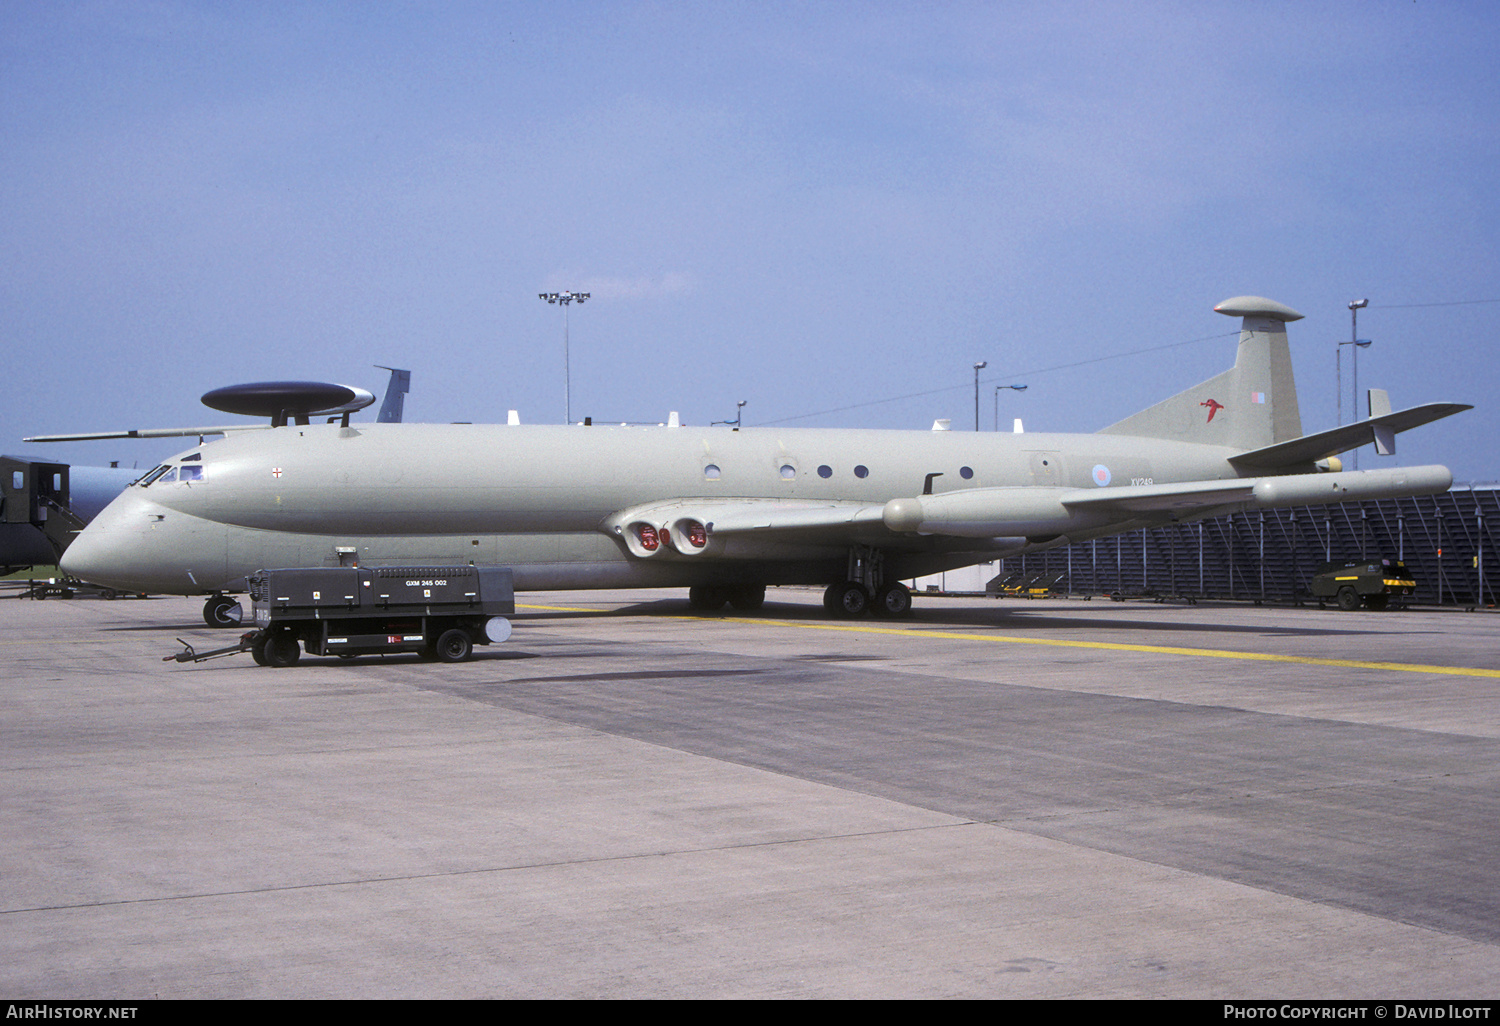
1114	646
1109	646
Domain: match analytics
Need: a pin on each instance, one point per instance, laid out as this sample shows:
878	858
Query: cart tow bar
187	655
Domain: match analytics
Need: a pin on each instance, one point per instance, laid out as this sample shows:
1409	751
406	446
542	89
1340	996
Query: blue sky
810	206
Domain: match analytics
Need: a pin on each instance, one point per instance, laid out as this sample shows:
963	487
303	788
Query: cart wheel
282	650
454	646
1348	600
258	652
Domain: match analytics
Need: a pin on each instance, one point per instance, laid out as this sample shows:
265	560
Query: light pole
563	299
1357	344
981	365
998	390
739	412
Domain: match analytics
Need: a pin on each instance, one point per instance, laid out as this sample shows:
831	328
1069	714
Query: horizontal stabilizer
1310	448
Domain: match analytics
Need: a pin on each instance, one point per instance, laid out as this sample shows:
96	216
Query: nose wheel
222	611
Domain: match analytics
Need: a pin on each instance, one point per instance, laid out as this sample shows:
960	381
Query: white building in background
970	579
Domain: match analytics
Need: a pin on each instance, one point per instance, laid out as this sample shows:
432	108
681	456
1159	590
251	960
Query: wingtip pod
1309	489
1257	306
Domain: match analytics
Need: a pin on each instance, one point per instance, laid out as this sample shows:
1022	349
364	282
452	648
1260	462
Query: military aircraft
724	511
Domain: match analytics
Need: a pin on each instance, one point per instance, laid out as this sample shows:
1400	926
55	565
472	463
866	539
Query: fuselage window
966	472
861	471
711	471
788	471
825	471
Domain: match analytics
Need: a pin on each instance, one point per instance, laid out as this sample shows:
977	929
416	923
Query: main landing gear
866	591
851	599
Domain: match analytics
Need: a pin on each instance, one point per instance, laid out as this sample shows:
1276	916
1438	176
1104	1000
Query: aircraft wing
718	527
709	527
271	399
148	433
736	516
1035	512
1380	430
1265	492
1164	498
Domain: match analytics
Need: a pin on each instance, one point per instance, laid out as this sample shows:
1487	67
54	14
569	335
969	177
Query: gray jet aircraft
725	512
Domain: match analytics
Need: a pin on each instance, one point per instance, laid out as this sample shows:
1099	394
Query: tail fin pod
1252	405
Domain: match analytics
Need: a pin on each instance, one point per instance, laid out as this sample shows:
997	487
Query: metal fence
1447	541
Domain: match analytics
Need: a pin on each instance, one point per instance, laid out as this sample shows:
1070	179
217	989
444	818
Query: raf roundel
1102	475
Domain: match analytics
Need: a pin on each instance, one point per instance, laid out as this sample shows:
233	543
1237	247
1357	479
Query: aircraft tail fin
395	395
1250	406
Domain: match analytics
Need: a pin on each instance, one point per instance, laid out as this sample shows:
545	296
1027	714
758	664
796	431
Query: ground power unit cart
439	612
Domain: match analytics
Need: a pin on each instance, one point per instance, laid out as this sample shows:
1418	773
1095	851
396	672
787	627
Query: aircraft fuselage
537	498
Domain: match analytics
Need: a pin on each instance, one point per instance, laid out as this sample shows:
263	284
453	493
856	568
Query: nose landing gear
222	611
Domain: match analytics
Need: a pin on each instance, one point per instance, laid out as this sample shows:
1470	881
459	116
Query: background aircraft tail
1250	406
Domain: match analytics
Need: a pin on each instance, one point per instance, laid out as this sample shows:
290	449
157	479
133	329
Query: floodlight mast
563	299
739	412
998	390
981	365
1356	344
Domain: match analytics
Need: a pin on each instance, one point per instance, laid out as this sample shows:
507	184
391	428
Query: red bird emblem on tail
1214	406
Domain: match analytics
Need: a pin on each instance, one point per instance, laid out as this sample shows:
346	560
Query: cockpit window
166	473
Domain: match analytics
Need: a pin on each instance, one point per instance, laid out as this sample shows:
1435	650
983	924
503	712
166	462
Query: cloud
669	283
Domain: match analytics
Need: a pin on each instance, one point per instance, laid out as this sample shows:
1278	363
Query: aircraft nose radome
107	550
82	559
